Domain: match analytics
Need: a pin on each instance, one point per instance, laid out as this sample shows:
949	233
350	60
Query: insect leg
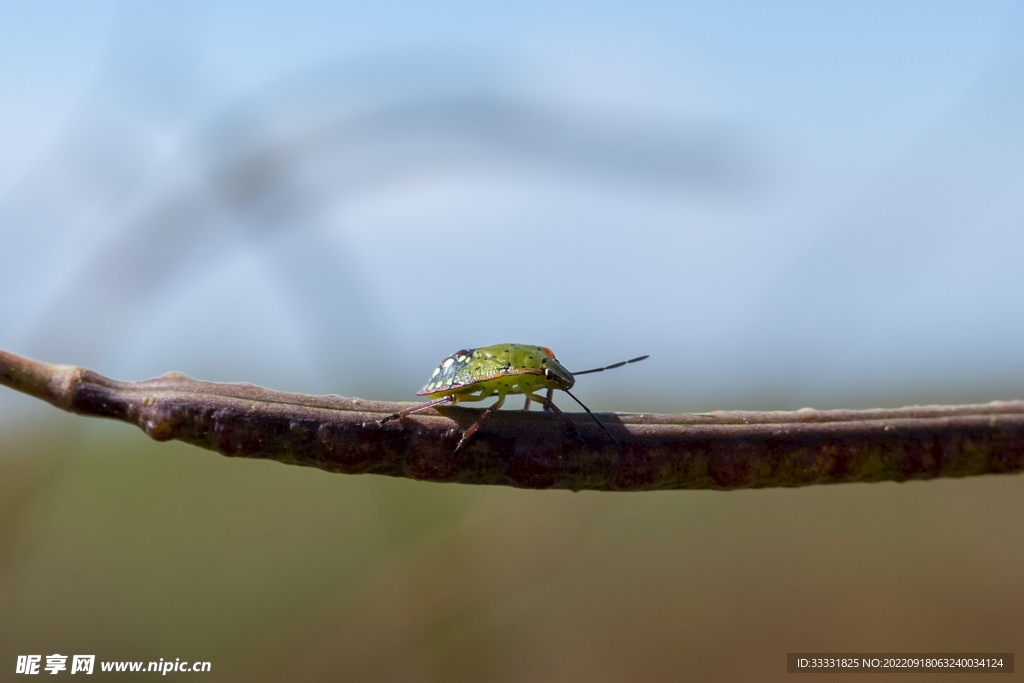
529	398
415	409
476	425
550	405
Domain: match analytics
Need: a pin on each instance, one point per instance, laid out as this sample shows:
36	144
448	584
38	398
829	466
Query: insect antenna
599	423
609	367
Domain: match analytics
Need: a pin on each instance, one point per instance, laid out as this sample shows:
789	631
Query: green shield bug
500	370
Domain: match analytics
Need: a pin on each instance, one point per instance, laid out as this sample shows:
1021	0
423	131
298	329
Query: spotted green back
468	369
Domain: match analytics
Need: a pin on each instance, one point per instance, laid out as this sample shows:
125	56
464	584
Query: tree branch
720	450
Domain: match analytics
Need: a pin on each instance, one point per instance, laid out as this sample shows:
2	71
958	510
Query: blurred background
785	204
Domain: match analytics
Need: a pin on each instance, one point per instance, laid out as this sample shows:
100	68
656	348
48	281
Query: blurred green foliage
121	547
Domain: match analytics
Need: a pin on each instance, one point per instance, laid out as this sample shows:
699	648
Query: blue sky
784	203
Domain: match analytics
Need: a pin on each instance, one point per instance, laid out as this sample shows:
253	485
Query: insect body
500	370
